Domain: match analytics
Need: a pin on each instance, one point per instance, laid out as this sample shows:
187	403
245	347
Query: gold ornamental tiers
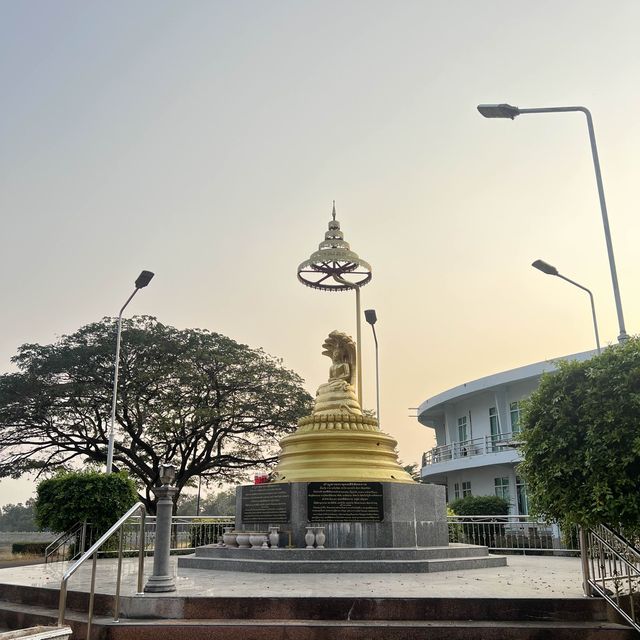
337	442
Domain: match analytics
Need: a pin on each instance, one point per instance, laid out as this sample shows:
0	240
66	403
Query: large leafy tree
196	399
581	440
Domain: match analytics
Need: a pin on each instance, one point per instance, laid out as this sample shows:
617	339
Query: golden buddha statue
337	442
338	394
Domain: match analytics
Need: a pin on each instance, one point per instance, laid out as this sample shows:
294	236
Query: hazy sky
205	141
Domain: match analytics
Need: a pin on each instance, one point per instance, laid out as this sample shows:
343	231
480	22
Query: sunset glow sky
205	141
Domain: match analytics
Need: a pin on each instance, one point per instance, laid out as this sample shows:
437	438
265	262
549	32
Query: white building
475	426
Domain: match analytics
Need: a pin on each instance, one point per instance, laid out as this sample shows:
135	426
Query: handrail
61	540
619	568
93	551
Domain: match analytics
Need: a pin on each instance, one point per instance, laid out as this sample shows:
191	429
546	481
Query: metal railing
187	532
514	534
70	544
493	443
92	552
614	571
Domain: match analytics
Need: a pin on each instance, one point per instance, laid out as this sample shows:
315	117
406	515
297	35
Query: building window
494	424
466	489
521	493
501	488
514	410
456	490
462	429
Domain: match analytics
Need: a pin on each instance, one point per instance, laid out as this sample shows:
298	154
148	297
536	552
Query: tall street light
508	111
550	270
141	281
371	317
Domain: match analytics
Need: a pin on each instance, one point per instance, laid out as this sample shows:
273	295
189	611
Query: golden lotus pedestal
339	448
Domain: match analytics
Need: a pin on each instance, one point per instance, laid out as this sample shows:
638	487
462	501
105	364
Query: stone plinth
413	515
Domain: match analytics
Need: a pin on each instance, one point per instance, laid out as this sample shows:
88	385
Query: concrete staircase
152	617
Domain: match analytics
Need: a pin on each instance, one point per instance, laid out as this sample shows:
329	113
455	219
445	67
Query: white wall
482	482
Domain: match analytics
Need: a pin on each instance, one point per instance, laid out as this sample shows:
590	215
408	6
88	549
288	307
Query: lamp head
545	267
370	316
498	111
144	279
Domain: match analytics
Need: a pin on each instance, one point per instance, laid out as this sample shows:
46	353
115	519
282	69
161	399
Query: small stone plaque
345	502
266	503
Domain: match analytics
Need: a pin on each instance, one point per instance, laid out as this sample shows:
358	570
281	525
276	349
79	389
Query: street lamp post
550	270
371	317
141	281
509	111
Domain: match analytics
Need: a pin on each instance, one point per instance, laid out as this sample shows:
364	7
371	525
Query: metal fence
614	571
514	534
493	443
187	533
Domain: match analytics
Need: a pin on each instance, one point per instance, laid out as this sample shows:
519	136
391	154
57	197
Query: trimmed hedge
32	548
69	498
480	506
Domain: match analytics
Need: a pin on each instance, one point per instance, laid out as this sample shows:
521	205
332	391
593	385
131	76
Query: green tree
581	440
199	400
222	503
18	517
68	498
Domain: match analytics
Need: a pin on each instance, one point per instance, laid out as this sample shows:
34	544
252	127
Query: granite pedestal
413	515
370	527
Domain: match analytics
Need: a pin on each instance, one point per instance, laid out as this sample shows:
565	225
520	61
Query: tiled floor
524	576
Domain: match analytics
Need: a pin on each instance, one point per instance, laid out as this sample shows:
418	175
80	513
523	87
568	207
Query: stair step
127	629
267	565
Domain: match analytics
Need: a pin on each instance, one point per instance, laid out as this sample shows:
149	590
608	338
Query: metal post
359	346
584	562
92	594
375	339
109	468
116	601
623	336
593	308
141	550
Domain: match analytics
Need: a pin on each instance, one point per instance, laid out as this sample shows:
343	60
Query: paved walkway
523	577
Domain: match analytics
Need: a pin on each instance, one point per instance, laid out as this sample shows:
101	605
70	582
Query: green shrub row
32	548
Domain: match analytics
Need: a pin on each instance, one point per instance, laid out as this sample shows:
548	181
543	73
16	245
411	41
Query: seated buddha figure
338	395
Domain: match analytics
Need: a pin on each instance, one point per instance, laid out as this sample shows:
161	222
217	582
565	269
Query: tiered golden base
341	448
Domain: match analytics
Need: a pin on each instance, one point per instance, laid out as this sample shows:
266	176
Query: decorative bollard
162	580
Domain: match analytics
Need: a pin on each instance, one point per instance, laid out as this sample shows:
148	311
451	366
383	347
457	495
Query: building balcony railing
474	447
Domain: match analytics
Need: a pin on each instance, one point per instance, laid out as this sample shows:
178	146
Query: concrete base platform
452	557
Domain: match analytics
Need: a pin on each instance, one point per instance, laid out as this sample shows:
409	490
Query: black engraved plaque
344	502
266	503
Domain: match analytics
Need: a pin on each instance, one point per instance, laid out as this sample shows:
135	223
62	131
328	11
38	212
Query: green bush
473	532
581	441
480	506
69	498
32	548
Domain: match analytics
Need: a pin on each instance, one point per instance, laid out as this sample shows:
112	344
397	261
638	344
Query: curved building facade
476	426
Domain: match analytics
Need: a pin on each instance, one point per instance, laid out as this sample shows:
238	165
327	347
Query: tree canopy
18	517
192	398
581	440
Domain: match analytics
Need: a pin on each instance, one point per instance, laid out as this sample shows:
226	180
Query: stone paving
523	577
